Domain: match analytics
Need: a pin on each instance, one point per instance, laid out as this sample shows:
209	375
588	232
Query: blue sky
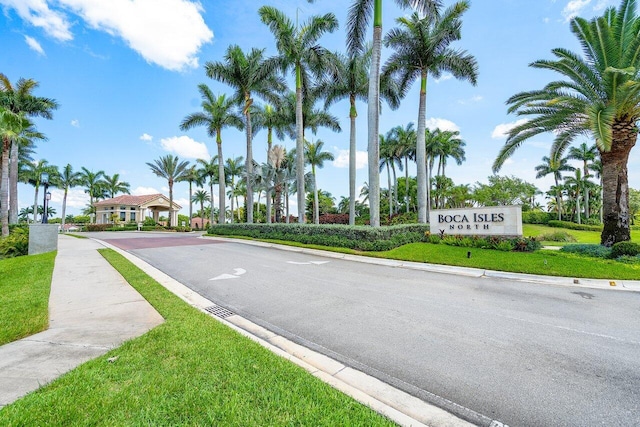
125	73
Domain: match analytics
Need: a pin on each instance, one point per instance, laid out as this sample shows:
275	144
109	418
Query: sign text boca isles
493	220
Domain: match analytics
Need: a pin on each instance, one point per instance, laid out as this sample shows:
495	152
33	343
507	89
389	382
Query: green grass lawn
25	283
546	262
191	370
534	230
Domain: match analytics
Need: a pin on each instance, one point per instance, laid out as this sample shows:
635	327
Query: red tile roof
127	199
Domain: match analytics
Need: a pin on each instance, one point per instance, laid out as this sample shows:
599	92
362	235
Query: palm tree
451	145
12	125
93	183
576	185
389	158
360	13
600	98
192	176
67	179
233	169
172	169
209	170
350	81
113	185
585	154
421	47
200	196
19	98
216	115
555	165
32	174
316	157
299	50
406	139
247	74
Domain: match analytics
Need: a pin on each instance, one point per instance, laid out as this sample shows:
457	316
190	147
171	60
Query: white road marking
237	272
308	263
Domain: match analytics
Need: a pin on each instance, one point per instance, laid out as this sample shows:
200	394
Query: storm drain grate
221	312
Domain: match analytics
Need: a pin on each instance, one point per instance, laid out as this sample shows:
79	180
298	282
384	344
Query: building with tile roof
128	208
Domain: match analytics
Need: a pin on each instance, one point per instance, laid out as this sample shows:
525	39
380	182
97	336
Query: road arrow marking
237	272
319	262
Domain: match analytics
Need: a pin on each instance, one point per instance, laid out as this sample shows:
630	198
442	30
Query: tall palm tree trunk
13	183
35	204
211	201
316	207
395	188
352	160
249	169
406	181
390	192
373	117
421	163
221	183
190	202
299	147
586	190
615	184
233	189
4	188
64	207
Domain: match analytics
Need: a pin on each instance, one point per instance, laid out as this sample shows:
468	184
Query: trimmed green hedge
574	226
360	238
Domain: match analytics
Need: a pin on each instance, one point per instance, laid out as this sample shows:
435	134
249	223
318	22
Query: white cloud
168	33
342	159
442	124
573	9
185	147
76	198
75	123
546	20
444	77
34	45
146	137
502	130
38	14
471	100
142	191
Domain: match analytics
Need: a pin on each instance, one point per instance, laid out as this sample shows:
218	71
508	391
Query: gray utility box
43	238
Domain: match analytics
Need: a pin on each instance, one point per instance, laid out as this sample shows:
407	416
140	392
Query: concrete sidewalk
92	310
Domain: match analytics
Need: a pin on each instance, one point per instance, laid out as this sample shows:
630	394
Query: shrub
15	244
557	236
334	219
505	246
354	237
627	259
98	227
435	239
535	217
149	222
404	218
625	249
525	244
596	251
574	226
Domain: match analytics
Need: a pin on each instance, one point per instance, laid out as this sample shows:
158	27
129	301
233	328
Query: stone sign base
43	238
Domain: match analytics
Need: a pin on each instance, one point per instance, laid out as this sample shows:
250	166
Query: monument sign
492	220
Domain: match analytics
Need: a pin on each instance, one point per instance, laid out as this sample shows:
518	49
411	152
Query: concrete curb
395	404
613	284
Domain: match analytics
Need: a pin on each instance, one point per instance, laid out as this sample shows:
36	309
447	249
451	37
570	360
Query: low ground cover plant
16	243
505	244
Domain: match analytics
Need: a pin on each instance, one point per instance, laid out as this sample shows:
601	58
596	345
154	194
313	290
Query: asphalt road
485	349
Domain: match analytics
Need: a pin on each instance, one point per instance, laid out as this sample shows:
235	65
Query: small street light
44	179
